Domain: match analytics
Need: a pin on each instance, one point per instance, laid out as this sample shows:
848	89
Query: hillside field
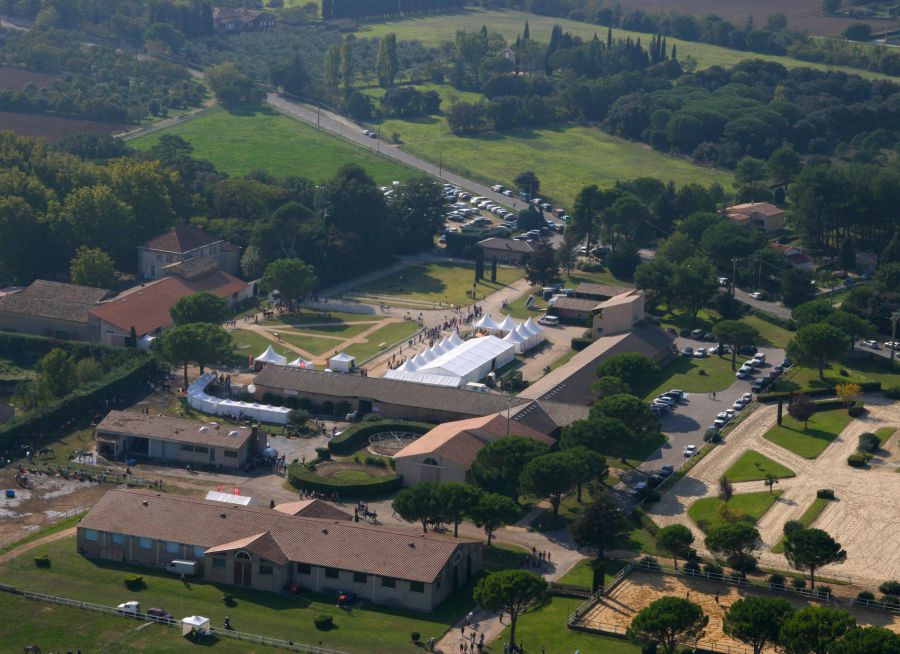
238	143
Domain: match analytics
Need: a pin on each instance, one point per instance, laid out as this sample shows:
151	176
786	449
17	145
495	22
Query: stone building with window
266	549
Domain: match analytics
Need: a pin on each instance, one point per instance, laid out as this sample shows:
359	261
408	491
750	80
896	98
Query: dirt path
863	519
26	547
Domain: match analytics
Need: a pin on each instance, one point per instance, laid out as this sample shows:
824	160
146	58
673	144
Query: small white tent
300	362
508	324
271	356
341	362
194	623
487	323
515	339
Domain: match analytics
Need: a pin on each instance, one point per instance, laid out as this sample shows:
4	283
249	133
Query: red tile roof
182	239
146	308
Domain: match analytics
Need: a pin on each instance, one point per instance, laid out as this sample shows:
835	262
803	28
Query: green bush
868	442
323	453
893	600
415	636
712	568
791	526
890	588
272	398
798	582
857	461
357	436
776	580
867	387
42	560
303	478
323	622
376	461
578	344
866	595
134	582
856	410
825	494
299	416
893	392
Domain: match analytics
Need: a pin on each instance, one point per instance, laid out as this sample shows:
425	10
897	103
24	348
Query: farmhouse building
265	549
611	315
759	215
146	308
182	244
175	440
234	20
52	309
446	452
794	256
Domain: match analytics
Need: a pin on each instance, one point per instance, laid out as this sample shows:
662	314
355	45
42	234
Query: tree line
336	9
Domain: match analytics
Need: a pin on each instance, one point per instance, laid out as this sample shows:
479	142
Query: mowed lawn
750	507
565	157
239	143
251	344
685	374
438	283
857	371
381	339
814	511
58	628
823	427
582	573
433	30
753	466
369	628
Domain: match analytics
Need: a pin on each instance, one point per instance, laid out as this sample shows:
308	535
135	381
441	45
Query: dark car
655	480
787	363
161	614
667	470
684	333
709	336
748	350
759	385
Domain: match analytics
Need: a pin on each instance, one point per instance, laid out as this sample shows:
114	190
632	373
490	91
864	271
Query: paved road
775	308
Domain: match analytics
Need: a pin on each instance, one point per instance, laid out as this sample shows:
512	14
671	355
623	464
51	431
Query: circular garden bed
347	478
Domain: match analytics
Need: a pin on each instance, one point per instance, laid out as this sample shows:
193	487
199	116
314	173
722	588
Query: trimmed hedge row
357	435
867	387
303	478
579	343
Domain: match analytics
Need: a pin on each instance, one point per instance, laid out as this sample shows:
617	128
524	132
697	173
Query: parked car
739	404
690	450
687	352
892	345
718	423
159	613
714	349
731	413
667	470
742	374
639	488
759	356
758	295
508	193
759	385
874	345
700	353
747	397
676	394
497	188
666	399
748	350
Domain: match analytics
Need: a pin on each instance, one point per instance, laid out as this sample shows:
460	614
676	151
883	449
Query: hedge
785	323
357	436
303	478
82	402
867	387
579	343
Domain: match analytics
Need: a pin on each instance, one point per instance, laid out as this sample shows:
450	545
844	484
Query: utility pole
734	274
895	316
318	109
441	165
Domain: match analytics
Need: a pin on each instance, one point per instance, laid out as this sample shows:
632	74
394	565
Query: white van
550	321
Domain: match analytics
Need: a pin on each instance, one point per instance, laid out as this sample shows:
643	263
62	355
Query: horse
371	514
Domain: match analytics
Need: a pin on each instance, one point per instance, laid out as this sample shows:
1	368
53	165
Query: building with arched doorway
271	549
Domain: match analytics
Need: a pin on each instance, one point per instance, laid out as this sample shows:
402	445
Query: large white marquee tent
454	362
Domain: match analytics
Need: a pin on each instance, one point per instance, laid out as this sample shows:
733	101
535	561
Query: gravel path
863	519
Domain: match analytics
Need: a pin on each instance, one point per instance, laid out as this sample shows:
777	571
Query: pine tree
331	72
663	50
346	65
609	38
527	33
386	61
674	52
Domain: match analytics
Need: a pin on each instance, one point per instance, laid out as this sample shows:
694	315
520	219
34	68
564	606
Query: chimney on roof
222	515
412	545
145	503
325	531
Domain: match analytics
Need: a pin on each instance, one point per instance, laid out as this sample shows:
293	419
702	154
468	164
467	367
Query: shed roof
54	300
179	430
506	244
182	239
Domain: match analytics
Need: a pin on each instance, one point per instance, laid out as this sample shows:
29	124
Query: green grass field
582	573
238	143
750	506
884	434
565	157
370	628
684	374
753	466
814	511
381	339
315	345
65	629
422	286
250	343
823	427
433	30
770	335
858	371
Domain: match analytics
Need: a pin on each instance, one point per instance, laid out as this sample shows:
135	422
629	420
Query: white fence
172	622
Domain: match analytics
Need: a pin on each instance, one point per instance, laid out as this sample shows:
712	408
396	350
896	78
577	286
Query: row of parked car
875	345
654	479
667	401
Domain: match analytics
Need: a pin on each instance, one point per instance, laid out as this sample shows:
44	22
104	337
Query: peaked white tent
487	323
300	362
406	366
508	324
342	362
271	356
515	339
427	356
530	326
455	340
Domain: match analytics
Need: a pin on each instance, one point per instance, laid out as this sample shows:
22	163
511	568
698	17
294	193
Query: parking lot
688	422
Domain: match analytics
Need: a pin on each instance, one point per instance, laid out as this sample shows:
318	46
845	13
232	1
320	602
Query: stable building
505	250
184	243
266	549
53	310
176	440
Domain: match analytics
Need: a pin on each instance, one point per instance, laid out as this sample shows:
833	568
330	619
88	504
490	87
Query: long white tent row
523	336
454	362
199	399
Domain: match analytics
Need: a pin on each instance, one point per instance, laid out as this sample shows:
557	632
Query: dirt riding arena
639	589
801	14
16	79
863	519
52	128
36	507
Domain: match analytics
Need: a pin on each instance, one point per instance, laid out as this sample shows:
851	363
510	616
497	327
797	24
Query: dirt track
863	519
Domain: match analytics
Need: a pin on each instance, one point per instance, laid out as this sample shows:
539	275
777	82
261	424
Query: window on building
201	450
388	582
332	573
159	257
417	586
304	569
198	552
145	543
429	462
171	548
360	577
218	562
118	539
231	454
90	534
265	567
187	448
